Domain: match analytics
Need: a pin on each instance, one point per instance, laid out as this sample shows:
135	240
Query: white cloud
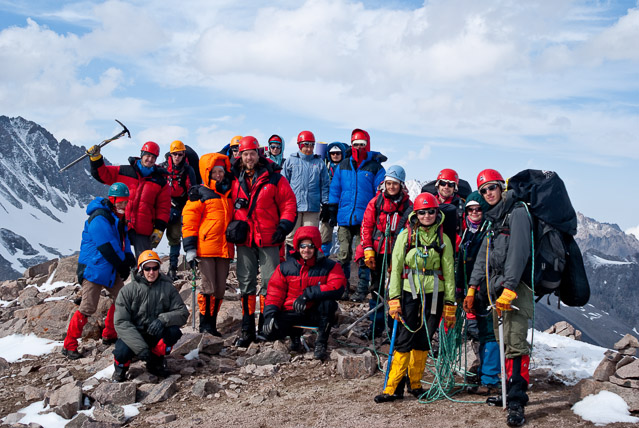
633	231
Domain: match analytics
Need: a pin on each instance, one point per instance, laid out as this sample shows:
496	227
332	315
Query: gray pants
327	232
348	238
140	243
249	259
214	271
174	233
303	219
516	323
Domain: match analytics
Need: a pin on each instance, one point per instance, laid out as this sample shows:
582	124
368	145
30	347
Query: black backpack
558	263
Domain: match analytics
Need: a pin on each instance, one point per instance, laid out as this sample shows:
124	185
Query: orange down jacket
208	212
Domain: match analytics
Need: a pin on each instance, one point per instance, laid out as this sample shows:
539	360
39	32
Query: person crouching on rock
105	262
303	291
148	315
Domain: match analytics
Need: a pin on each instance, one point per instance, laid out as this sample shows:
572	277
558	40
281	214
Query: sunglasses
275	146
308	143
429	211
235	148
177	154
306	246
151	268
447	184
473	210
487	189
336	153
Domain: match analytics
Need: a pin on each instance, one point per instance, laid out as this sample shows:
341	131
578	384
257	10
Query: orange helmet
151	147
424	201
248	143
236	140
177	146
148	256
488	175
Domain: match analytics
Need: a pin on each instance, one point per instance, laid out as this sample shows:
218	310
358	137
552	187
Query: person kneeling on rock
148	315
303	291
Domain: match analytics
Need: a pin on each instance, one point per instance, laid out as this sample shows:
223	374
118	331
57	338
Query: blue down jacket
309	180
353	188
104	245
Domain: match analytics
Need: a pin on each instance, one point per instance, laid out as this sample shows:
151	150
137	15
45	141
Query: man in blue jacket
309	180
105	262
354	184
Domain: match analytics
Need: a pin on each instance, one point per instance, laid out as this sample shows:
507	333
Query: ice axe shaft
358	320
193	286
502	359
124	132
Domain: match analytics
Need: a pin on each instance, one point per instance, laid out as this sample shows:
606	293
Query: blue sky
463	84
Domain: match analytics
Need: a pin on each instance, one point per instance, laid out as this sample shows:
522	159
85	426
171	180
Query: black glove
299	305
144	354
124	271
325	213
129	260
269	326
332	215
279	235
155	328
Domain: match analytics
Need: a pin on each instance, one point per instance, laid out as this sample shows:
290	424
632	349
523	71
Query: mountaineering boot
396	378
323	331
364	279
346	267
173	273
495	401
260	325
248	321
216	309
156	365
515	416
416	367
358	297
296	344
174	255
74	332
119	373
204	302
109	336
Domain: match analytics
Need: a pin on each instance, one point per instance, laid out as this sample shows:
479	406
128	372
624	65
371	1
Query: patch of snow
53	299
570	359
600	261
106	372
131	410
5	303
36	412
15	346
194	354
604	408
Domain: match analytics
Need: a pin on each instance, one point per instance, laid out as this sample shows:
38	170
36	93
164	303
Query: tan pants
214	271
91	295
303	219
327	233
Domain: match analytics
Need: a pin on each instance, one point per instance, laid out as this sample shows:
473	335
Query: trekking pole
502	358
193	297
358	320
122	133
390	353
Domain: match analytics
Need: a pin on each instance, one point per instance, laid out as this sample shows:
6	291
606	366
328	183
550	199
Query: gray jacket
509	247
140	303
309	180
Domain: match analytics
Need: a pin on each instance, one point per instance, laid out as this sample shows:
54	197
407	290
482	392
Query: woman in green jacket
423	265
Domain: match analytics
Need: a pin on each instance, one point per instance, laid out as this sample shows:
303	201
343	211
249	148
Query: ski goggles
359	145
429	211
306	246
488	188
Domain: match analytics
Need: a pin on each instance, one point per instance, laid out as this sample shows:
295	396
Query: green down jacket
140	303
423	236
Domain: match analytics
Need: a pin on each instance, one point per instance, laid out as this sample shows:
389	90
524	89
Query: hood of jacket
97	204
207	162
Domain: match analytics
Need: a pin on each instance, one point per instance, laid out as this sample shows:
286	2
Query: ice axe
193	287
122	133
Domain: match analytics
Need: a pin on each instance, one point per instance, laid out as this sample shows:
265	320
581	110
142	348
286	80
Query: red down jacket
275	203
323	276
149	197
378	212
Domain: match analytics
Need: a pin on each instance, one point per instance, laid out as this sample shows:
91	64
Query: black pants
412	314
123	354
139	242
321	315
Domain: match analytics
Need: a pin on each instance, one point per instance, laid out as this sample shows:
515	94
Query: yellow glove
469	301
394	309
505	300
449	315
369	259
156	237
94	153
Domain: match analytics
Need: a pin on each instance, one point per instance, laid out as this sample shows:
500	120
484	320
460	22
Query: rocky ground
264	385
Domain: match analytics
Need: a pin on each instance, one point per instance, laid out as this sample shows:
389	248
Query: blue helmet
395	172
119	190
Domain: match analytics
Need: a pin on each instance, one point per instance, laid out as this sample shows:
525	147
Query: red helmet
248	143
424	201
489	175
152	148
448	174
360	134
305	136
275	139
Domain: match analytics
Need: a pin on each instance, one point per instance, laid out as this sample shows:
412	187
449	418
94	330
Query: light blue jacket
309	180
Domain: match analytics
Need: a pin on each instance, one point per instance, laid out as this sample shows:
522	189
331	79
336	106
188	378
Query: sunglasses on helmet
490	188
429	211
